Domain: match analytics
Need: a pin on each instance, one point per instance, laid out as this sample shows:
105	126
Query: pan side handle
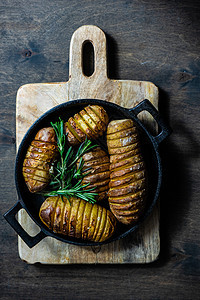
148	106
31	241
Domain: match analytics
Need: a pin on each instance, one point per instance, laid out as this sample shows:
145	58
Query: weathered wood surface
35	99
156	41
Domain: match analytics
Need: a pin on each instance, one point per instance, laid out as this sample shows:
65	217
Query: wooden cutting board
33	100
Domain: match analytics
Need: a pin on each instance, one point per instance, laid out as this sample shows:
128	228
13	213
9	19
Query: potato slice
66	214
102	183
119	125
35	185
131	177
132	197
102	225
97	169
44	145
122	142
73	217
72	137
79	220
118	157
131	205
39	156
76	130
43	174
127	220
131	212
39	164
47	211
128	188
100	188
126	212
92	222
89	122
46	134
99	215
86	219
58	215
109	227
96	177
126	161
121	150
43	151
122	133
101	113
83	126
97	153
96	162
32	176
96	119
129	169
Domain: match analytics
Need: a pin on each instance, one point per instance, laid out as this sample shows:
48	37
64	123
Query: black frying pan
32	202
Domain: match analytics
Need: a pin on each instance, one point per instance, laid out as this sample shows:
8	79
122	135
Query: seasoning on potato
91	122
77	218
41	153
96	172
128	179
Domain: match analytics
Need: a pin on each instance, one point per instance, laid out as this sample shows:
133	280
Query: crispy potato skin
78	219
90	122
96	163
40	154
128	179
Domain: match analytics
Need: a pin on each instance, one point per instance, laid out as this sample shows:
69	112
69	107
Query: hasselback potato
90	122
96	167
128	180
77	219
41	152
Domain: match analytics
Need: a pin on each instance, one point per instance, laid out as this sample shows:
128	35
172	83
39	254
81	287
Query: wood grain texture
158	41
35	99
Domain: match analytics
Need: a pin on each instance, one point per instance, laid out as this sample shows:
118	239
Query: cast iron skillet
32	202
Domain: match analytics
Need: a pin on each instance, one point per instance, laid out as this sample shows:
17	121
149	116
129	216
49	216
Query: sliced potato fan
77	219
90	122
128	180
96	172
41	152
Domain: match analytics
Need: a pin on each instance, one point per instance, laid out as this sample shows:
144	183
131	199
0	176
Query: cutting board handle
97	37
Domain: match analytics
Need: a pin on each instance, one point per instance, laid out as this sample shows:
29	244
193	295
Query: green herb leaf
66	177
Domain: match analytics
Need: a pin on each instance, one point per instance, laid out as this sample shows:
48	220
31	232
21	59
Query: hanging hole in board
88	58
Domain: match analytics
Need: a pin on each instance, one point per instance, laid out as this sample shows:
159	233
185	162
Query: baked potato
77	218
90	122
41	153
96	170
128	179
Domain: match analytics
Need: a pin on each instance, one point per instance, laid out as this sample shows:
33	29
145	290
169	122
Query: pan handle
148	106
31	241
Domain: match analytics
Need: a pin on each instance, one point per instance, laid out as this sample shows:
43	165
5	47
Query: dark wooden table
153	40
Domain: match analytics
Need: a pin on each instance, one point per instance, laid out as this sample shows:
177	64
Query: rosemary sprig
66	177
